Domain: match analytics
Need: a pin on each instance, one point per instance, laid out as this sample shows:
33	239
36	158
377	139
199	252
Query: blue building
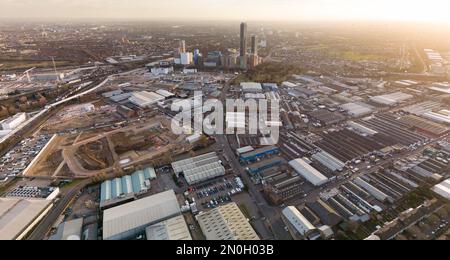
259	153
270	86
265	165
127	185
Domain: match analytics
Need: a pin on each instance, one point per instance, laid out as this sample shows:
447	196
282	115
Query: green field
355	56
26	64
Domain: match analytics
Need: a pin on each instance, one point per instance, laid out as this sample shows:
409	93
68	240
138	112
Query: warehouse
329	161
270	86
126	188
442	116
297	222
251	87
121	98
282	186
200	168
70	230
346	145
265	165
443	189
361	129
430	128
325	212
164	93
145	99
245	149
18	216
14	121
326	118
357	109
379	195
131	219
226	222
308	172
391	126
391	99
259	153
174	229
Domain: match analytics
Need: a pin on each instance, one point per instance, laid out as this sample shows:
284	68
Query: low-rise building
226	222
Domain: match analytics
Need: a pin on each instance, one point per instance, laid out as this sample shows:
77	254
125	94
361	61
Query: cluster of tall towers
248	59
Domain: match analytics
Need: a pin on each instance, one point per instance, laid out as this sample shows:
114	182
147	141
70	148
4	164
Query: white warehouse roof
443	189
308	172
18	216
298	221
391	99
251	87
172	229
122	221
329	161
144	99
200	168
356	110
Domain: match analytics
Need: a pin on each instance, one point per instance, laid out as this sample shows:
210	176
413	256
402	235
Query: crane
27	74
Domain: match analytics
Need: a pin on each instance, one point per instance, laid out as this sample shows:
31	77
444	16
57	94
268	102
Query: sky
268	10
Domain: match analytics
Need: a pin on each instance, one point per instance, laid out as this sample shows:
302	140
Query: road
270	222
40	232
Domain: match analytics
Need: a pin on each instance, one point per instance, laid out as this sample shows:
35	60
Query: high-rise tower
243	46
254	45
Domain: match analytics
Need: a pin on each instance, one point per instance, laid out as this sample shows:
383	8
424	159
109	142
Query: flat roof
171	229
137	214
17	214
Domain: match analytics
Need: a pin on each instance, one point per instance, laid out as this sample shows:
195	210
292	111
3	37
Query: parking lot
215	193
15	161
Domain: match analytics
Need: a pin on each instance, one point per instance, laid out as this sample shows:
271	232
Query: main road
269	225
42	229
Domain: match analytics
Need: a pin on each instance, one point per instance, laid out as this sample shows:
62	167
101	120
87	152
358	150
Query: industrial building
442	116
424	126
375	192
270	86
251	87
394	129
282	186
226	222
164	93
297	222
265	164
124	189
361	129
14	121
329	161
308	172
326	118
131	219
391	99
18	216
327	214
443	189
245	149
357	109
173	229
145	99
200	168
70	230
259	153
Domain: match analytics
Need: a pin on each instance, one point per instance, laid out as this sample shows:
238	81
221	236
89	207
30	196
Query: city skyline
250	10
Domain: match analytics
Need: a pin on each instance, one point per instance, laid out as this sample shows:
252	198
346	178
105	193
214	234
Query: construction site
99	152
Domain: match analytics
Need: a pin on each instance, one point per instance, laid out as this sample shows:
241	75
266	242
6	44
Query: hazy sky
409	10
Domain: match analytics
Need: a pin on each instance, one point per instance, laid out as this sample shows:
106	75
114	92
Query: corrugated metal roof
140	213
